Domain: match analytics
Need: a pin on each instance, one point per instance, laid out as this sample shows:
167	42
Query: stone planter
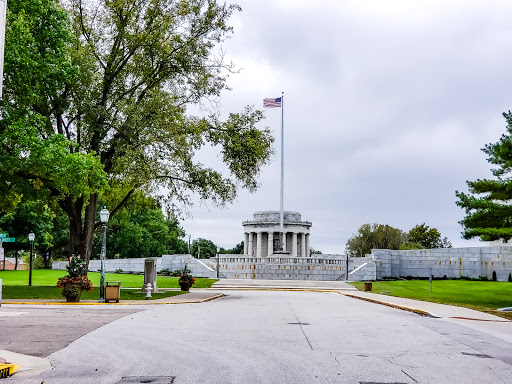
185	285
75	298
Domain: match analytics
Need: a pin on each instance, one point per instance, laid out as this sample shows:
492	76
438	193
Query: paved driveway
281	337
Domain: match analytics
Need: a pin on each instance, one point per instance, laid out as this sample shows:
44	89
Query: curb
142	302
397	306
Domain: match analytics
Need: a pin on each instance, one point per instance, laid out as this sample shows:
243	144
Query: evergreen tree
488	204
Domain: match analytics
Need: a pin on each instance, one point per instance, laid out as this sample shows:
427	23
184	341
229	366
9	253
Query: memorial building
263	233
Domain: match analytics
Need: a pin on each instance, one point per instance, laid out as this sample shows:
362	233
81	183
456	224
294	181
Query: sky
387	107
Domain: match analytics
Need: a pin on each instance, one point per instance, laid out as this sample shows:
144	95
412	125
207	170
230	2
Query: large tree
426	237
374	236
488	204
95	105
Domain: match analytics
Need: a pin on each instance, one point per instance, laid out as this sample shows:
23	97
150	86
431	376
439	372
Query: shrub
165	272
119	270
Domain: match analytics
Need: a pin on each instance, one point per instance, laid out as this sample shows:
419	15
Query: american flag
272	103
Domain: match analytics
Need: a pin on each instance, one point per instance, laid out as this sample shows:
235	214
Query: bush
176	273
165	272
119	270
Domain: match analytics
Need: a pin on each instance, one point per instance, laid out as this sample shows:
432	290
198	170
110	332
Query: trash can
367	287
112	291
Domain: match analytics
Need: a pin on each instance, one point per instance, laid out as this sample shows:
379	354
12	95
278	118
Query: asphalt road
280	337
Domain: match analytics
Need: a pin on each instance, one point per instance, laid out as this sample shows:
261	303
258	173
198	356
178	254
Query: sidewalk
194	296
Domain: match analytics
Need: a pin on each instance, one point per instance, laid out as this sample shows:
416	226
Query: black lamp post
218	254
104	215
31	238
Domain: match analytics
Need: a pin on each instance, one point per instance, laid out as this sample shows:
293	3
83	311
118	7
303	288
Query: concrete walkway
194	296
244	284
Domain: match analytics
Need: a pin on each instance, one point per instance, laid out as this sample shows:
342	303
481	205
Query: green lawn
36	292
15	284
485	296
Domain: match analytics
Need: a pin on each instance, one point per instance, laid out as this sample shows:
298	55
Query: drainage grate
147	379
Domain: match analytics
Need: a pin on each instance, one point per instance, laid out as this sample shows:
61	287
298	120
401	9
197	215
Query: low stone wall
325	267
450	262
170	262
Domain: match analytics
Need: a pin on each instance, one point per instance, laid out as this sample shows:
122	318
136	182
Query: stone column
303	249
270	243
258	244
284	241
307	244
246	243
250	244
294	244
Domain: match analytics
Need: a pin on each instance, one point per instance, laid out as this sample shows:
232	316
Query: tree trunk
81	229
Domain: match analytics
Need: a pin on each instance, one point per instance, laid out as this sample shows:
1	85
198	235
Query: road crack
300	325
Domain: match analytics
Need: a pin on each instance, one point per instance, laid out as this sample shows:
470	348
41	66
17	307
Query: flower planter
77	289
185	285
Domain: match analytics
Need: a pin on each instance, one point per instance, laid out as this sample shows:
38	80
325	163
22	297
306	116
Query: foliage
70	290
203	248
48	277
186	277
76	267
487	205
427	237
374	236
236	250
410	245
140	229
82	281
313	251
95	105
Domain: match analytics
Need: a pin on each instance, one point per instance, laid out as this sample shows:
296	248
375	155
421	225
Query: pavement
485	322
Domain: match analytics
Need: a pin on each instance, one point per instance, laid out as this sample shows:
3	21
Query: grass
485	296
36	292
15	285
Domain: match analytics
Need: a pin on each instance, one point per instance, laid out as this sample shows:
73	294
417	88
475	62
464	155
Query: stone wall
325	267
450	262
171	262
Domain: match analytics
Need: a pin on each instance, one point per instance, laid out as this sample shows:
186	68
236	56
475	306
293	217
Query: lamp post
218	252
104	214
31	238
189	245
346	272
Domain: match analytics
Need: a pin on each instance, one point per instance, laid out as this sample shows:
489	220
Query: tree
140	229
487	206
204	248
426	237
236	250
374	236
95	107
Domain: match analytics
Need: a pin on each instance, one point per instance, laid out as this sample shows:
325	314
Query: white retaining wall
171	262
277	267
450	262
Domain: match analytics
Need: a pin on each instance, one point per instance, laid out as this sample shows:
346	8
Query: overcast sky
387	105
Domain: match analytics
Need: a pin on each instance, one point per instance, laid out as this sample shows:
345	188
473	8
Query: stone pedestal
150	274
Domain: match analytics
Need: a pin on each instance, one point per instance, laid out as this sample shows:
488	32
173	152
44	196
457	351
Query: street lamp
346	272
218	254
189	245
31	238
104	214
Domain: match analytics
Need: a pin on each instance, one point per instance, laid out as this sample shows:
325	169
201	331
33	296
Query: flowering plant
82	281
76	267
76	277
186	277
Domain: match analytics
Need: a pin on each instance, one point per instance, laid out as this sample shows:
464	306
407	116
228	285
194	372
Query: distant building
10	263
262	234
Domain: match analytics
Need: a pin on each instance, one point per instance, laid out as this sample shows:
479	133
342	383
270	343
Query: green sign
8	240
3	235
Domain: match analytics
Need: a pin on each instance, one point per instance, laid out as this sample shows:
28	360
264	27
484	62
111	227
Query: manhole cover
147	379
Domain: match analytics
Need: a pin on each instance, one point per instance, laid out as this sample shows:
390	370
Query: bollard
148	291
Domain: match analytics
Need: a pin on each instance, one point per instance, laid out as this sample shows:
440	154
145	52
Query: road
280	337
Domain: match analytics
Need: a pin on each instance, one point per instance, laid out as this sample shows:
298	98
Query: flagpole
282	169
